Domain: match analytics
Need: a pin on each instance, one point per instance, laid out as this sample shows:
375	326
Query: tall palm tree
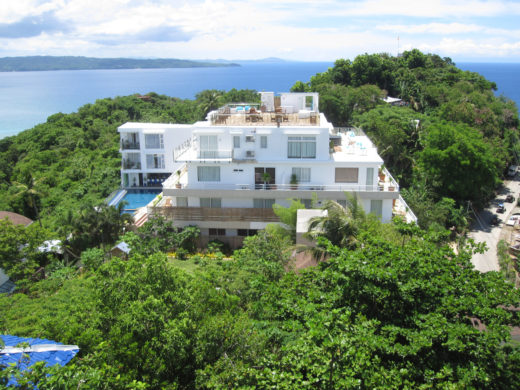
30	192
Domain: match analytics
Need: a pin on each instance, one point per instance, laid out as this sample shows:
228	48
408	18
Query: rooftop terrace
256	115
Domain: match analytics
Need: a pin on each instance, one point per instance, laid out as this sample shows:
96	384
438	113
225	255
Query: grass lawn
187	265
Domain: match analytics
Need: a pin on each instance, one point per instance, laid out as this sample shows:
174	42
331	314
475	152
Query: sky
303	30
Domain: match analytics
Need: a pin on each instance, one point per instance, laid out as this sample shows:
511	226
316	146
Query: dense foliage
453	139
394	310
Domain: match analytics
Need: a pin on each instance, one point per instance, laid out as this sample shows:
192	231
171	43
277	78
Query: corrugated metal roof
51	352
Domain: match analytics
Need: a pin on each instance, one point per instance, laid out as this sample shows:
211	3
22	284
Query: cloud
32	26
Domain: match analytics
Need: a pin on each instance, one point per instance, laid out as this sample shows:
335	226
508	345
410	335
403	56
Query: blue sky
307	30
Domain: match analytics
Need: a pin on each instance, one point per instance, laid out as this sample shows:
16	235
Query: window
214	203
301	147
155	161
246	232
208	146
182	201
347	175
236	141
307	203
303	175
217	232
154	141
263	141
370	176
208	173
263	203
376	207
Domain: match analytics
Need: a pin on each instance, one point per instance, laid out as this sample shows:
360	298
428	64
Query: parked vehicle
512	170
494	220
501	208
510	198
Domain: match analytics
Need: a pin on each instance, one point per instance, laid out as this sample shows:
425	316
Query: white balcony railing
287	187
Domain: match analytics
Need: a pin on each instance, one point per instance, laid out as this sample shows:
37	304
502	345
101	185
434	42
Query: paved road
482	231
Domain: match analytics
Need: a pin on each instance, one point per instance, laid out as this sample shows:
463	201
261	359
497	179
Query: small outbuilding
121	250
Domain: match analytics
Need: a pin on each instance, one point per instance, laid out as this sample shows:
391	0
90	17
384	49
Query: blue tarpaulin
24	352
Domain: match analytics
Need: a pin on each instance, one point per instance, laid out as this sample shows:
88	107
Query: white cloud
303	29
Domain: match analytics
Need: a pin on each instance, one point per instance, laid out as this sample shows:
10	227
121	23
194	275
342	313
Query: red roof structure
16	219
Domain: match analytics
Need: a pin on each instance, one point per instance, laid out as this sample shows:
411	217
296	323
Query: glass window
376	207
236	141
303	175
301	147
263	141
246	232
346	175
208	146
217	232
154	141
214	203
370	176
307	203
182	201
208	173
263	203
155	161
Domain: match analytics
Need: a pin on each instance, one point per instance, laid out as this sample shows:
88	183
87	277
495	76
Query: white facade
223	187
147	151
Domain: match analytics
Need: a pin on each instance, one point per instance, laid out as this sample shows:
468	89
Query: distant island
43	63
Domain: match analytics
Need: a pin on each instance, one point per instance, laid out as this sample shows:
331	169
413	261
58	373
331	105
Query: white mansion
225	173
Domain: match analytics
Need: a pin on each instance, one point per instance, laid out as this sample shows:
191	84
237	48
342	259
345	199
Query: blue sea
28	98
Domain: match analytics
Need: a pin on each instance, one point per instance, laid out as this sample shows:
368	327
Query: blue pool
134	198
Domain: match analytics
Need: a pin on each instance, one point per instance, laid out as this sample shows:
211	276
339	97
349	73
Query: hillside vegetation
450	144
394	306
39	63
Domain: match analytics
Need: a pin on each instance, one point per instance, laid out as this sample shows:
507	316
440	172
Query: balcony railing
389	186
215	214
214	154
126	145
129	164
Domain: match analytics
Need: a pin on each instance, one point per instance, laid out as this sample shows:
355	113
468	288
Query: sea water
28	98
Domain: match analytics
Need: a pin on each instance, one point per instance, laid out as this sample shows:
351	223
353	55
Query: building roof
16	219
7	287
37	350
123	247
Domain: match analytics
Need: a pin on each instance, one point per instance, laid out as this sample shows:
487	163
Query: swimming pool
135	199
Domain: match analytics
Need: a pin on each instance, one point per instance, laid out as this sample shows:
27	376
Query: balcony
131	164
382	186
129	145
193	155
226	214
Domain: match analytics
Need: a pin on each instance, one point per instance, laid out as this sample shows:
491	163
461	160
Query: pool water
138	198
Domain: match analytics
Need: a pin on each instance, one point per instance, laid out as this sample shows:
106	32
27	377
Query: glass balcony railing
130	164
126	145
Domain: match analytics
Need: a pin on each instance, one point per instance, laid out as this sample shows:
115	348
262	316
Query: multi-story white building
228	171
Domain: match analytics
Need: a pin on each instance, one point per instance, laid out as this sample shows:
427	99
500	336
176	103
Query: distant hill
38	63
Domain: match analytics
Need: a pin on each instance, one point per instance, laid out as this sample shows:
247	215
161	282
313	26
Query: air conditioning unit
250	153
250	138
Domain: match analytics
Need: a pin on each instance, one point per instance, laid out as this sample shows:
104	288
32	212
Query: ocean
28	98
